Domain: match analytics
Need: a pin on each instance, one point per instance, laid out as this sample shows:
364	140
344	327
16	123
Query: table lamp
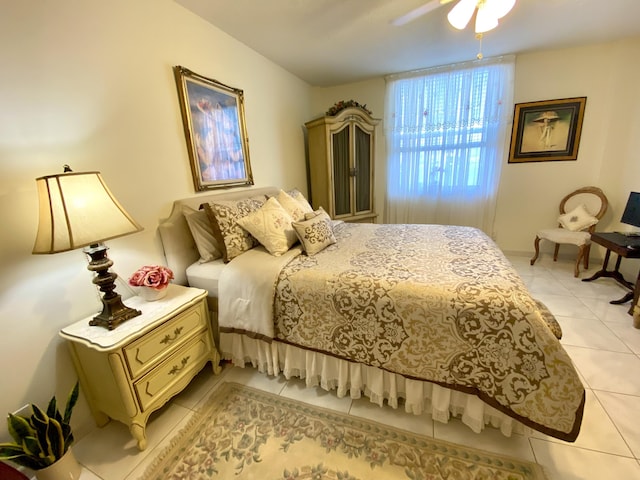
78	210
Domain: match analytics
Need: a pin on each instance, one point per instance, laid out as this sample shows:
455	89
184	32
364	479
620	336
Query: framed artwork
547	131
214	126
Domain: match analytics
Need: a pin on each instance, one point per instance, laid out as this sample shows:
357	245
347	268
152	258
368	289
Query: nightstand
131	371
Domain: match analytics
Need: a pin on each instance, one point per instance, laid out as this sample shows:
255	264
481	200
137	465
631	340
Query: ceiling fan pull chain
479	55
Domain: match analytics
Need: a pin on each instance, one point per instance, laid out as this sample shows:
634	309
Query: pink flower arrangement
154	276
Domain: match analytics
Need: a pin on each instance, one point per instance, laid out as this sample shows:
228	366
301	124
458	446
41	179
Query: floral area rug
245	433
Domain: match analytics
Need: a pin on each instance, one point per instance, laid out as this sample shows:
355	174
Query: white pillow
316	233
202	232
577	219
271	226
319	212
291	205
300	198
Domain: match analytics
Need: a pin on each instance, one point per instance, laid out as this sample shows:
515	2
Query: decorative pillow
202	233
577	219
319	212
291	205
300	198
271	226
224	214
315	234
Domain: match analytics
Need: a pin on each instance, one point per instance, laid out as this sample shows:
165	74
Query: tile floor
599	337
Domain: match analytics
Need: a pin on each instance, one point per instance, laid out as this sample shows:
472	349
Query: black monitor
631	215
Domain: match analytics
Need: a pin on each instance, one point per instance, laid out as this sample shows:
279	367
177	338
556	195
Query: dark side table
625	246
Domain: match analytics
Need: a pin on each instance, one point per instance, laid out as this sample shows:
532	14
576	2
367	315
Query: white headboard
177	242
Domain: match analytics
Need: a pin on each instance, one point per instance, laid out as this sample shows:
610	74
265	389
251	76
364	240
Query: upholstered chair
580	211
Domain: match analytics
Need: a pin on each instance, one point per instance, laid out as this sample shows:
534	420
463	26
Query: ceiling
333	42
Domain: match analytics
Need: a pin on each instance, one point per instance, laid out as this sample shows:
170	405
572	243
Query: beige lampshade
76	210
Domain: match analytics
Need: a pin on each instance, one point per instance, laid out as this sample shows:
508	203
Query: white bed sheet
205	275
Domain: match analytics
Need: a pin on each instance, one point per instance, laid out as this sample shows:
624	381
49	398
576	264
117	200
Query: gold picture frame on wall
215	130
547	130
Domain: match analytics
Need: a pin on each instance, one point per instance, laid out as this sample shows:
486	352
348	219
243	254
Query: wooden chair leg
536	245
576	269
587	251
555	252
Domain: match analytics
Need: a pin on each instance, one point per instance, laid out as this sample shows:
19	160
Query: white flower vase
67	468
151	294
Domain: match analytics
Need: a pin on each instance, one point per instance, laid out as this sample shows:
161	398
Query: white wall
90	83
529	193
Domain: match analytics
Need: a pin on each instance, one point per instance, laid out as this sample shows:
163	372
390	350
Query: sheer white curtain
446	130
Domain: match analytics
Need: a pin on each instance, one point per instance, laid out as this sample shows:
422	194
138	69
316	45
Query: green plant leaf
13	452
52	409
19	427
40	422
31	446
71	402
56	438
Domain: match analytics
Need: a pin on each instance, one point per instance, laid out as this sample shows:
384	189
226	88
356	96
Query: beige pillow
577	219
319	212
202	232
224	214
300	198
271	226
315	234
291	205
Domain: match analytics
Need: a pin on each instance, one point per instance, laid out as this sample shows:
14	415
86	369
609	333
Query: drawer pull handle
176	369
168	338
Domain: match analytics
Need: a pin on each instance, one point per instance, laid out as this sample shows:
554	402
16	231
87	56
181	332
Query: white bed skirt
355	379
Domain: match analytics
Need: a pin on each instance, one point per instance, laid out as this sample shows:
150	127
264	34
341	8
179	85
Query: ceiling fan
489	12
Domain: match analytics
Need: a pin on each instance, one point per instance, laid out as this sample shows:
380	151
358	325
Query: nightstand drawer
149	350
159	385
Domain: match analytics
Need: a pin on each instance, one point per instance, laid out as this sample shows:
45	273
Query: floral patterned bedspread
437	303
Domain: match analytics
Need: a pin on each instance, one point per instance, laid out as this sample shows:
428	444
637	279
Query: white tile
598	432
138	471
565	306
591	333
111	452
198	389
623	410
608	371
628	334
607	312
541	285
603	288
565	462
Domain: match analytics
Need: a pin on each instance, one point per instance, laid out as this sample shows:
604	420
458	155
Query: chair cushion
562	235
577	219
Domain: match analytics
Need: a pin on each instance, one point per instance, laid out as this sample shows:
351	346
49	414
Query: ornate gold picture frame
215	130
547	131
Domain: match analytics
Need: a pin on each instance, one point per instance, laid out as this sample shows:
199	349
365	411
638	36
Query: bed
428	317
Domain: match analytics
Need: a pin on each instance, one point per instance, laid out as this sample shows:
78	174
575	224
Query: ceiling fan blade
418	12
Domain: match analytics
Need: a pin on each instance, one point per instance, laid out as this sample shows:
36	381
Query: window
446	130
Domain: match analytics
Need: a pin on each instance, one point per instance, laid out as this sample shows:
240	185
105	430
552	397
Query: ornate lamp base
114	312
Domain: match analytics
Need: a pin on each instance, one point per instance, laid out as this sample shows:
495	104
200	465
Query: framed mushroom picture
547	130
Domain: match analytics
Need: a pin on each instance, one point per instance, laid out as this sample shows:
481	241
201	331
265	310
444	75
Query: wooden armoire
341	164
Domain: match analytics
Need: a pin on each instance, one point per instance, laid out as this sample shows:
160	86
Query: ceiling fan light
485	20
499	8
460	15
